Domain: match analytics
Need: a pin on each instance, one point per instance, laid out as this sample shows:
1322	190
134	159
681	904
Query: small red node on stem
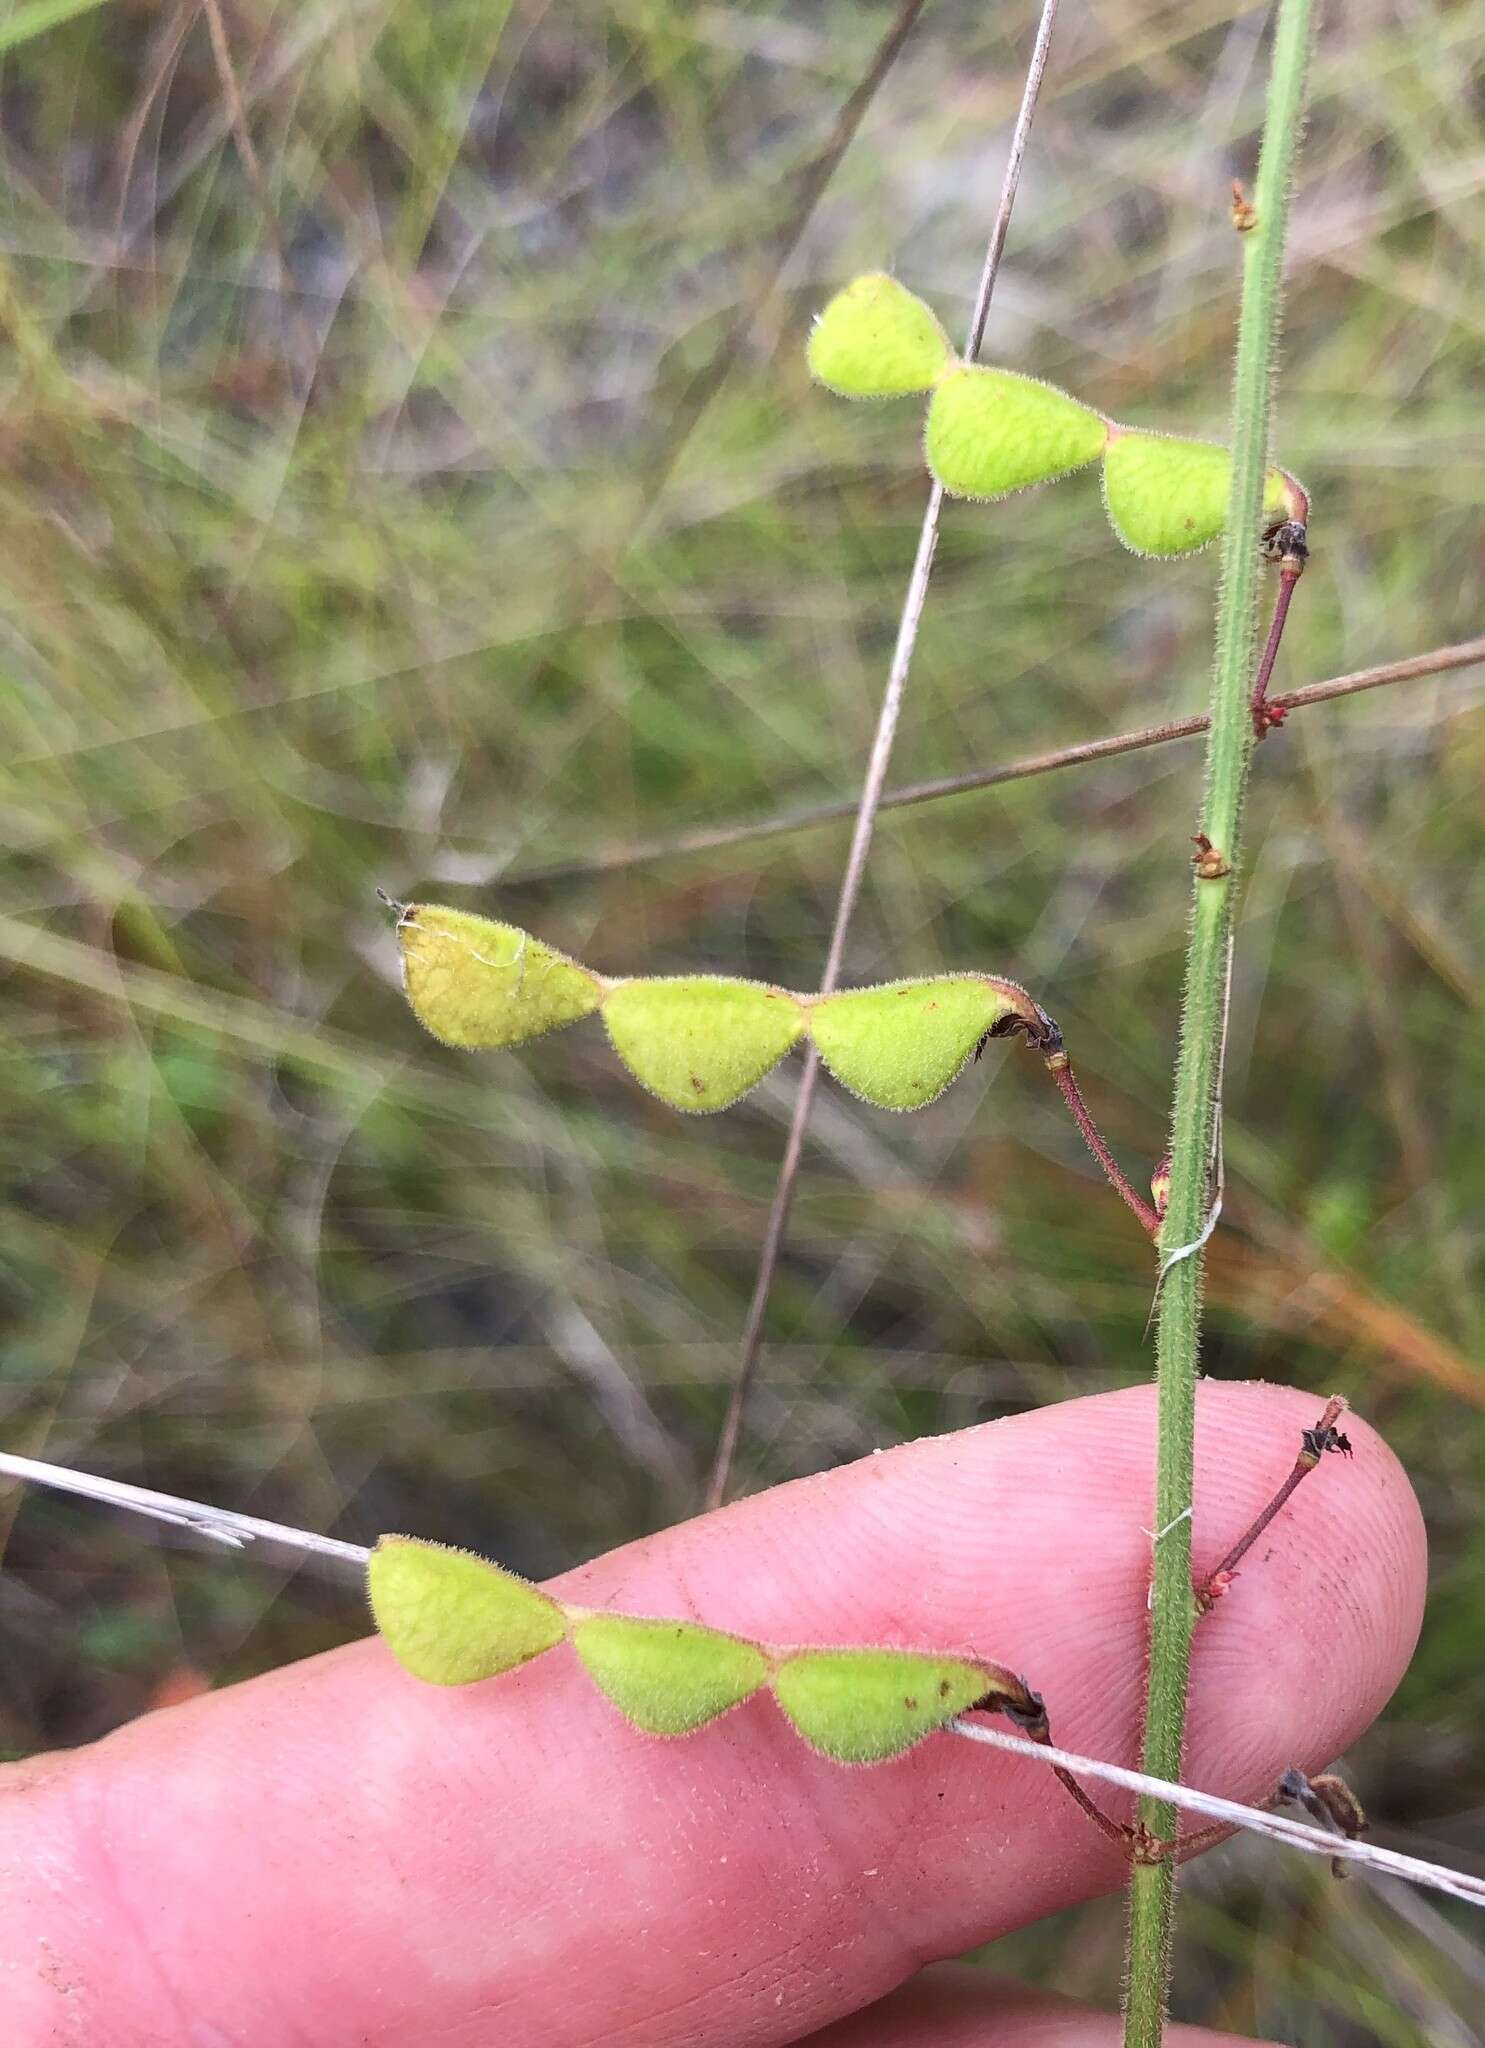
1244	213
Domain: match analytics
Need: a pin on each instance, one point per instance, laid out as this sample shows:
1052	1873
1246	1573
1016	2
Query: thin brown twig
876	776
812	183
713	838
221	50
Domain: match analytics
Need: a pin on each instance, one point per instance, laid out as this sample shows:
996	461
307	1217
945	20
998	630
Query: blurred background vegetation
410	477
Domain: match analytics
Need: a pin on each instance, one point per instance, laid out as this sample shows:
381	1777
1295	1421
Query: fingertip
1323	1616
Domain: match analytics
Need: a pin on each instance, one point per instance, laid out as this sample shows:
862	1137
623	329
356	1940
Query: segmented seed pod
700	1042
453	1619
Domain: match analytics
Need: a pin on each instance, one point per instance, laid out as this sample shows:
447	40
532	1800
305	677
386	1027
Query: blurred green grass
329	560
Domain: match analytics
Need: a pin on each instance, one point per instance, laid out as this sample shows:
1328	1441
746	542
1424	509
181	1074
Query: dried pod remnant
452	1619
1329	1800
990	432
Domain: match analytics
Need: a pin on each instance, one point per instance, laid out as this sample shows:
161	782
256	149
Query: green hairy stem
1198	1073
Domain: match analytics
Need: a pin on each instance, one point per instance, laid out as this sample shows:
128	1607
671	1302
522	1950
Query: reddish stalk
1314	1443
1116	1830
1031	1720
1060	1068
1284	544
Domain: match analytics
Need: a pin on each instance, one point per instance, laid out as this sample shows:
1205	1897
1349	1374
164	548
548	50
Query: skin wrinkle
525	1808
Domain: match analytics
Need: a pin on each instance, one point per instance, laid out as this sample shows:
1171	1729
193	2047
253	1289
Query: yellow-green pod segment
876	340
475	983
452	1618
864	1706
1169	497
667	1677
701	1041
990	432
900	1045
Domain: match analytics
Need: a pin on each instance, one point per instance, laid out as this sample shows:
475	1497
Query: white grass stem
1459	1884
217	1525
241	1532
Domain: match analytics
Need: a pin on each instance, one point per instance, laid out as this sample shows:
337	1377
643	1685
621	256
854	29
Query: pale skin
337	1854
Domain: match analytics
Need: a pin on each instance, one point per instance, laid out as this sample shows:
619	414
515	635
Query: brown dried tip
1028	1020
1341	1804
1325	1436
1244	216
1160	1187
1287	543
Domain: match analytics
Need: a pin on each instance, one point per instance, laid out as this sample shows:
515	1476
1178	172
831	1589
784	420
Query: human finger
338	1852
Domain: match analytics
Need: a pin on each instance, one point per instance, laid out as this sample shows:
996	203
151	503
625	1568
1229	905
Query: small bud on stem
1208	860
1244	213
